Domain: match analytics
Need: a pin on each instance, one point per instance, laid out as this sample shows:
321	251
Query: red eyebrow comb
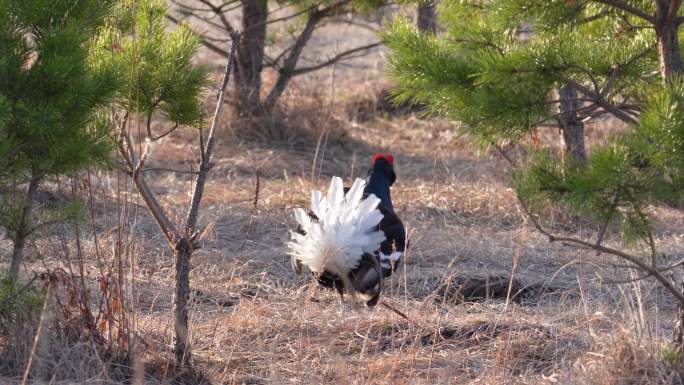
387	157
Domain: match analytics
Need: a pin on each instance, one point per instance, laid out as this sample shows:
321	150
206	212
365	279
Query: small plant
163	82
51	100
17	302
671	354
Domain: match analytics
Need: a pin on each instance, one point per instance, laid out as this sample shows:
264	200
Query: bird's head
383	165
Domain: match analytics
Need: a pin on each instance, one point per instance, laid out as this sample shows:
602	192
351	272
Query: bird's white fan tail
345	229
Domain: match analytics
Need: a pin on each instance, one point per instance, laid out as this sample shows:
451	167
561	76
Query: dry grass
254	322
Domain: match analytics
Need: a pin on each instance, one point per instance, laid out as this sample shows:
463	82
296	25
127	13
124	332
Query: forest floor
253	321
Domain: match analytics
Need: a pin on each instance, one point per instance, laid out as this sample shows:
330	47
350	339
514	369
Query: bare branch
220	13
287	70
674	7
205	165
334	59
652	271
628	280
355	23
208	20
143	158
212	8
584	109
328	10
153	169
290	16
158	213
43	225
149	129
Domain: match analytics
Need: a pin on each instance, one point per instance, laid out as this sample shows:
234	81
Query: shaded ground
254	322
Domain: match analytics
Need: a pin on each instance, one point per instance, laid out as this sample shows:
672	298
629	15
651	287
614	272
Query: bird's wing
394	246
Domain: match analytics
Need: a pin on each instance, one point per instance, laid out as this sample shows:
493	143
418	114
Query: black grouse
352	238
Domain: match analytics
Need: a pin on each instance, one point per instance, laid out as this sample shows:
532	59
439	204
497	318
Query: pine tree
51	101
585	58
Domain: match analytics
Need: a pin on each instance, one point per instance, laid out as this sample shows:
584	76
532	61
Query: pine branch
213	47
604	226
595	17
648	269
18	292
602	102
624	6
11	153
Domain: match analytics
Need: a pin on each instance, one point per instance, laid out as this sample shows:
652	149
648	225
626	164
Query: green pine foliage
495	69
625	177
488	71
50	92
52	99
65	68
156	64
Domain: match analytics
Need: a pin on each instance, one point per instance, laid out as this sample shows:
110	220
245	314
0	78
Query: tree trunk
287	70
678	338
182	350
667	39
23	229
572	128
250	56
426	20
668	51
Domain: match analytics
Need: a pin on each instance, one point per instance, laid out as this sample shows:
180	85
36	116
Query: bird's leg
339	286
350	288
